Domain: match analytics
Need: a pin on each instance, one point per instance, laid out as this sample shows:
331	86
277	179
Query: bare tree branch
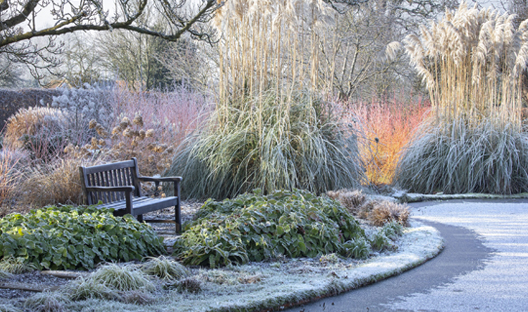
90	16
24	40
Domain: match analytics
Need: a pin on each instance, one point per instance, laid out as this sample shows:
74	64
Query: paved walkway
484	266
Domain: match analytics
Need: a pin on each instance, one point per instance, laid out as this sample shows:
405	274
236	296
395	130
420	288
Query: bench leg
139	218
177	208
177	217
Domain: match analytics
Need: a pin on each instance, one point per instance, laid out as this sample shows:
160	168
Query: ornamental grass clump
271	129
47	302
122	278
270	148
256	227
164	268
472	62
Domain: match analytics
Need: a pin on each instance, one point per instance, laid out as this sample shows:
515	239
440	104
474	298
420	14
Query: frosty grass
258	286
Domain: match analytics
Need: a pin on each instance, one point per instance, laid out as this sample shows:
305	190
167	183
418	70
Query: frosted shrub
39	130
82	105
129	138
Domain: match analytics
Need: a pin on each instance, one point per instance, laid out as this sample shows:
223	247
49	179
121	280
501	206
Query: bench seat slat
142	205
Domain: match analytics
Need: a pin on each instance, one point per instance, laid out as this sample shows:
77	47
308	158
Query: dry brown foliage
351	200
128	139
56	183
380	212
31	121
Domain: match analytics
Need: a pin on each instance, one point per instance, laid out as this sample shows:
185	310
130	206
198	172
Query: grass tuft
47	302
165	268
122	278
136	297
11	265
9	308
5	275
82	289
190	284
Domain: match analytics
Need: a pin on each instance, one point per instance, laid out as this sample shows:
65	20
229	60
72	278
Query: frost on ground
257	286
416	197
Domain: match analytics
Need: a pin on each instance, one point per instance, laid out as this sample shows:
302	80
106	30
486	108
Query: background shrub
256	227
39	130
388	125
75	238
80	105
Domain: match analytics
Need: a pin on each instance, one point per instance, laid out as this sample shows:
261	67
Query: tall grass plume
472	62
270	129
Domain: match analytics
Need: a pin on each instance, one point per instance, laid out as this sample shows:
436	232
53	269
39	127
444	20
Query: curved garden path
484	266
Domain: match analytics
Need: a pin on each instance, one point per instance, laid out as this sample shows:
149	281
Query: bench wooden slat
143	205
105	167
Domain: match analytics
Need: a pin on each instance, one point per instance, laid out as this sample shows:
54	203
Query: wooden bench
117	185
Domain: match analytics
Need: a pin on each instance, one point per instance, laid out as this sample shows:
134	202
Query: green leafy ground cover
75	238
256	227
294	246
250	287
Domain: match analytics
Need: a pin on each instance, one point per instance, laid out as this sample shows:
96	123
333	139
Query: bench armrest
175	180
125	188
160	179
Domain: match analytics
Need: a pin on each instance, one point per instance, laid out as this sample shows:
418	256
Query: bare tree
81	61
354	52
9	73
20	20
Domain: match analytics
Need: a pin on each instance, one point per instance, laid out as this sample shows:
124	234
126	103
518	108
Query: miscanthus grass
472	62
271	128
308	149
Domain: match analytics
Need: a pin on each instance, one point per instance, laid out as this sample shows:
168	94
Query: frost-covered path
484	266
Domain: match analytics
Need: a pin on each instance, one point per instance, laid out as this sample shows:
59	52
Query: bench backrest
115	174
